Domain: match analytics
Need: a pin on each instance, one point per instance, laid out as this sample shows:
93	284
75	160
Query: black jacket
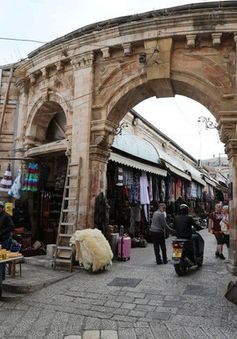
6	226
183	226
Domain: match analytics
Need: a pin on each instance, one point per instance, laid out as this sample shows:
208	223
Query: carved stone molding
106	52
22	85
98	154
32	78
127	48
227	131
82	60
228	135
102	133
191	40
216	39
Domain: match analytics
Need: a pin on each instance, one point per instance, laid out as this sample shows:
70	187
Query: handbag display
231	293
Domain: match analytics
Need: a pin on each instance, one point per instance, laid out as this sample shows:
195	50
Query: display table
4	261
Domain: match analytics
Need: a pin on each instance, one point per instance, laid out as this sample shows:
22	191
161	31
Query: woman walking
225	225
215	228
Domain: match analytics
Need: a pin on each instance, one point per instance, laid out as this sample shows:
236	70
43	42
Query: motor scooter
184	255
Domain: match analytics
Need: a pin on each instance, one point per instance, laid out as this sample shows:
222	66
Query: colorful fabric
31	180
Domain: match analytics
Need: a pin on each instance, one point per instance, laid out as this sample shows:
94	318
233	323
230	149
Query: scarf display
31	180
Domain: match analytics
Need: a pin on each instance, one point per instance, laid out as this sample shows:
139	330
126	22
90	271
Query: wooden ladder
68	218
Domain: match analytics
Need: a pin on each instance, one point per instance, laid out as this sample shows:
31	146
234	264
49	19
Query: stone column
228	134
22	86
82	103
102	134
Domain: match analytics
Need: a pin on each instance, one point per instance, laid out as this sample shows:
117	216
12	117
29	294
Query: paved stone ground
134	299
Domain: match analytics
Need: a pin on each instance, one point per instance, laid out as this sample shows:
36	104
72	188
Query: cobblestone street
134	299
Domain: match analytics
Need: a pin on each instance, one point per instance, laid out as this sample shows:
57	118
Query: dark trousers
5	244
158	239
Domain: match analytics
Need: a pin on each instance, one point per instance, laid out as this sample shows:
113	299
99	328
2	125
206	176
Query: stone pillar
22	87
102	135
82	103
228	134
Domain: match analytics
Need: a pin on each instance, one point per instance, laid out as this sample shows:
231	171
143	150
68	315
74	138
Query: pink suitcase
124	247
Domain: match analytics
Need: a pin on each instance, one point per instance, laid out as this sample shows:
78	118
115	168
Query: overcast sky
45	20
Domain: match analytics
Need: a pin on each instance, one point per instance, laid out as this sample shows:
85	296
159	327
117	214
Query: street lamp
118	130
208	123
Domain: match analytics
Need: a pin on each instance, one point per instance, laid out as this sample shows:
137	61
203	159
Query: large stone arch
106	68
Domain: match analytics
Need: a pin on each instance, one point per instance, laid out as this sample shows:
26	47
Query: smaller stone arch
40	116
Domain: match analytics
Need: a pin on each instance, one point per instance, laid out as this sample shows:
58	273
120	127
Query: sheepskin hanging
92	249
16	187
6	182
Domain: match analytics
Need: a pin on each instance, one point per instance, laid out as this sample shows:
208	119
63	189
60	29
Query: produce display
4	254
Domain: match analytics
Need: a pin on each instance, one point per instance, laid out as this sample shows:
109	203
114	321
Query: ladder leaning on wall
68	217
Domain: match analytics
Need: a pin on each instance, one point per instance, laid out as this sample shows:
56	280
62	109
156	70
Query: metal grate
200	290
125	282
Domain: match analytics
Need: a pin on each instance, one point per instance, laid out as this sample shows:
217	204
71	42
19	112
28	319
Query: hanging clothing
101	217
31	180
144	187
16	187
120	176
6	182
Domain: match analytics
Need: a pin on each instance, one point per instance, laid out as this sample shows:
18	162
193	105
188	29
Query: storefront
38	198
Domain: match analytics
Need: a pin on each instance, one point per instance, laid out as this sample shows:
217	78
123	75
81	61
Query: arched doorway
47	145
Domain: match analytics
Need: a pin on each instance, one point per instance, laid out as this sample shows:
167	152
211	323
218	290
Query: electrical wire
23	40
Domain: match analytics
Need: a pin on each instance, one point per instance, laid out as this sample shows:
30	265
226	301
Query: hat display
6	182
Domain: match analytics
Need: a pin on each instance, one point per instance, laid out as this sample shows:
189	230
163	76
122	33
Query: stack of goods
6	181
4	254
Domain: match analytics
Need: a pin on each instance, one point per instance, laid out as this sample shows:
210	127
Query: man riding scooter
183	225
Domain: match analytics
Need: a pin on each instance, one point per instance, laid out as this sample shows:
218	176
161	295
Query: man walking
158	226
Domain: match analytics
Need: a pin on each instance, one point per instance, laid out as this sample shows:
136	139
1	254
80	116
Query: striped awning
137	164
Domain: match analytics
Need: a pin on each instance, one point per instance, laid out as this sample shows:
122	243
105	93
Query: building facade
92	77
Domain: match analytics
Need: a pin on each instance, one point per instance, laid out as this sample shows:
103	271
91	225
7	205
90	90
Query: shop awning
210	182
137	164
174	164
51	147
136	146
195	174
177	171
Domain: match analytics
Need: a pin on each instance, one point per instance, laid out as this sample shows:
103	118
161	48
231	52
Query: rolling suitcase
124	247
113	239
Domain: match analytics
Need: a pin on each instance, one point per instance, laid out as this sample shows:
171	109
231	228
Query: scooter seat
182	240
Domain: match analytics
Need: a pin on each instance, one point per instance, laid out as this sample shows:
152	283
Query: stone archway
40	116
104	69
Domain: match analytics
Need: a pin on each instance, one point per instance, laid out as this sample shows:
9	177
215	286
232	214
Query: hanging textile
120	176
32	178
6	182
16	187
144	186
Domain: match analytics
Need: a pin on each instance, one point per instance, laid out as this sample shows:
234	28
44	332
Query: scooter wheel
180	269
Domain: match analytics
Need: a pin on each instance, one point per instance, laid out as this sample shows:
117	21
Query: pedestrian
6	229
214	227
158	227
225	225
